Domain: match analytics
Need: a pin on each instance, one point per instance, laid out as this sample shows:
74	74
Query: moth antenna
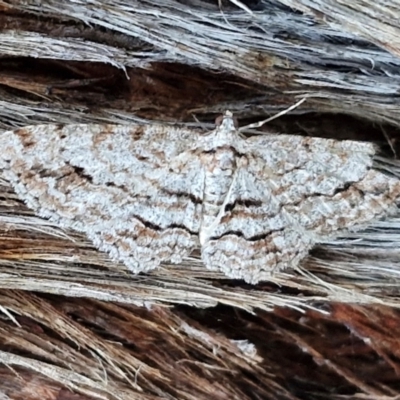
261	123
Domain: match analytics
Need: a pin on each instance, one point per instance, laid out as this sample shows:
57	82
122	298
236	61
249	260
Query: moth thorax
220	167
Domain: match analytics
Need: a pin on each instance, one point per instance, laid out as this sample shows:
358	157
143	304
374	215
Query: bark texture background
76	325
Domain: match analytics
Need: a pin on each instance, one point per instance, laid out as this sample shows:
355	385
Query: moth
148	194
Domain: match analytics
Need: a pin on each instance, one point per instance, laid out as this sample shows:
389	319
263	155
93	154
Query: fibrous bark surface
75	324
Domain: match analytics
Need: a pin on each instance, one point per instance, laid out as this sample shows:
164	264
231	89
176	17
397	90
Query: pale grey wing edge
100	180
256	259
328	163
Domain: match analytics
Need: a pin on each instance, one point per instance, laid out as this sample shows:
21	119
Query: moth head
227	122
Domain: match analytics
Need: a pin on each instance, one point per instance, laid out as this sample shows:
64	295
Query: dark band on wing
225	147
194	199
158	228
254	238
243	202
